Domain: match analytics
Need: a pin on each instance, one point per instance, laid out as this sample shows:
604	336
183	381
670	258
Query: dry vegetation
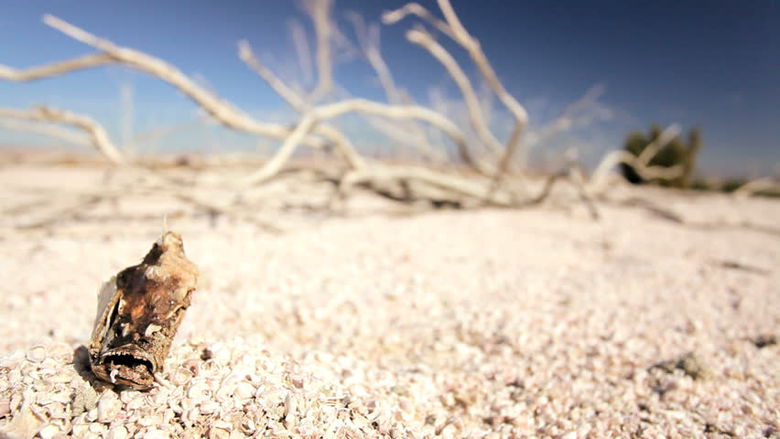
488	171
607	311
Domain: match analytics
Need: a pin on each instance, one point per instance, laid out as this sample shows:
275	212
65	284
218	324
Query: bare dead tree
314	128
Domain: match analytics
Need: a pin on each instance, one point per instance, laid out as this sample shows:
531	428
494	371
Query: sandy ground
537	323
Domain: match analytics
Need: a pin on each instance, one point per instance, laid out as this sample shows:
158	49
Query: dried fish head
141	309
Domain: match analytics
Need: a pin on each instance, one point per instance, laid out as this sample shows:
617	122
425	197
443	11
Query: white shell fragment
484	325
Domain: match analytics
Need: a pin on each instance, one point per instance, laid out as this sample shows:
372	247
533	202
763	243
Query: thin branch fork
455	30
483	64
299	104
334	110
412	134
392	17
426	41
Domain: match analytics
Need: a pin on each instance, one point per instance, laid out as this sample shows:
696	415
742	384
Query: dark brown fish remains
138	314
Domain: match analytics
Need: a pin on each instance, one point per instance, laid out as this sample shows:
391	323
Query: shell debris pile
475	325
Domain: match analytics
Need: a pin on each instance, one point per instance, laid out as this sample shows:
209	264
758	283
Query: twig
392	17
455	30
298	104
483	64
247	56
283	154
573	112
368	37
97	134
298	35
319	12
426	41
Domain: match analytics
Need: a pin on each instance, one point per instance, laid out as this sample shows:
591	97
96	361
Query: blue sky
715	64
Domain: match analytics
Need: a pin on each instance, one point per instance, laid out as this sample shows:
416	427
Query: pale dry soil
536	323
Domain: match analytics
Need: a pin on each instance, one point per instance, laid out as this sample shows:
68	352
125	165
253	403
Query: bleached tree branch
219	109
392	17
640	164
97	134
455	30
302	50
341	108
472	46
299	104
319	12
312	126
55	69
652	149
426	41
49	130
283	154
368	37
285	92
580	111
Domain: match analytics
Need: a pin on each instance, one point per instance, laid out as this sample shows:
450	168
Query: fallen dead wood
489	179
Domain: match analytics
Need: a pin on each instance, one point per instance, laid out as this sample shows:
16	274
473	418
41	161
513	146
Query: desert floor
488	323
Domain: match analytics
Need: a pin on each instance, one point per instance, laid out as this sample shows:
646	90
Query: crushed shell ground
489	324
